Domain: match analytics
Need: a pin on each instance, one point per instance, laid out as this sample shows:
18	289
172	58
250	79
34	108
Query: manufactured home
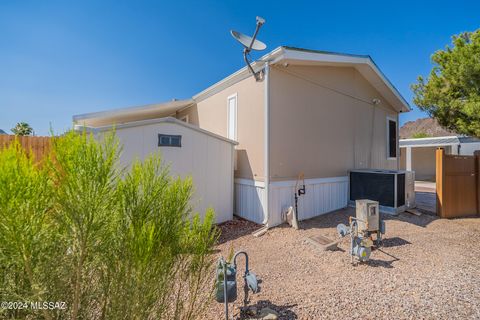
314	114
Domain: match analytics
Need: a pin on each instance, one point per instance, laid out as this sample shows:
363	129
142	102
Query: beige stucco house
317	113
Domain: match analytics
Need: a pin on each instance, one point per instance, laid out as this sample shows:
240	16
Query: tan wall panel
320	131
403	158
211	114
423	163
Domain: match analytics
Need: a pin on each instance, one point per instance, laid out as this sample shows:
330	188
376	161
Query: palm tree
22	129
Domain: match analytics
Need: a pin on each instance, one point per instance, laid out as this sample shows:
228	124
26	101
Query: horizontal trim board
429	145
291	183
248	182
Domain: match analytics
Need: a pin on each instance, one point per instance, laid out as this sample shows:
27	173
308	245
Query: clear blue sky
60	58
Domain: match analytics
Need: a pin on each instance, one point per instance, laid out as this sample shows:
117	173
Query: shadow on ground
332	219
394	242
284	311
236	228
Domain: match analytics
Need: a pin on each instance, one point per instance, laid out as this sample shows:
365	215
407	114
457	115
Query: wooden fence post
477	177
440	177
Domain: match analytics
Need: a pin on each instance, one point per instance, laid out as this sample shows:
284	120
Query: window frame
389	118
235	131
170	136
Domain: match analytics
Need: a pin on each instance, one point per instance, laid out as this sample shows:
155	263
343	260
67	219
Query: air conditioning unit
393	189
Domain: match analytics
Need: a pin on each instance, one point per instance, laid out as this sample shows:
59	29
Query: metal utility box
368	215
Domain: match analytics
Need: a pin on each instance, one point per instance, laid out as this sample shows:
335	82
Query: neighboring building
317	113
2	132
419	154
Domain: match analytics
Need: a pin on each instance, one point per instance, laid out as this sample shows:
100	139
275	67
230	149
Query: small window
168	140
184	118
392	138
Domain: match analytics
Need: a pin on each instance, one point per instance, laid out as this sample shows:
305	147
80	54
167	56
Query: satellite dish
249	44
246	41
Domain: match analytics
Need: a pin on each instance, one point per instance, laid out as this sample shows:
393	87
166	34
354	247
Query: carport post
408	165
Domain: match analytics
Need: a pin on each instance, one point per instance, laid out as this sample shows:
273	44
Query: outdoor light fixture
226	286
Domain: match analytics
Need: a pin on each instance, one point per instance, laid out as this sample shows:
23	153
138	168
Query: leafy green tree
22	129
420	134
451	94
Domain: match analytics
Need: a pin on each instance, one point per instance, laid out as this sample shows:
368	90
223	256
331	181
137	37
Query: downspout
398	141
266	166
266	158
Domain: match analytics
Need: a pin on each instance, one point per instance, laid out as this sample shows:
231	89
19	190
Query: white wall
467	149
250	200
322	195
207	159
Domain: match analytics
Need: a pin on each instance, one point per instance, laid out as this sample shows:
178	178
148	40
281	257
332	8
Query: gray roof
425	142
468	139
2	132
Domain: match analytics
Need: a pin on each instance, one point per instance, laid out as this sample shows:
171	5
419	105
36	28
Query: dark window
169	140
392	139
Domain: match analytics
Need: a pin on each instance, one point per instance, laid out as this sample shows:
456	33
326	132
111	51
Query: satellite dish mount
249	44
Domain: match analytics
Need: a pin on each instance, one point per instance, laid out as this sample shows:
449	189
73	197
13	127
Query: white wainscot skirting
322	195
250	200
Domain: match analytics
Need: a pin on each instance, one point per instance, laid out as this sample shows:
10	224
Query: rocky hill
425	127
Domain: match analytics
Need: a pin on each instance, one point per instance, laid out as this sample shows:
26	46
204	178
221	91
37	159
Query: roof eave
128	110
328	57
290	53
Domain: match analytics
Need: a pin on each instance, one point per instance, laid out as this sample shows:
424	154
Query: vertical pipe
397	158
266	166
225	288
439	180
476	155
408	158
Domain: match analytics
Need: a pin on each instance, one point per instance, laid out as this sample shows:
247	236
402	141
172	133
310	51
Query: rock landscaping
428	269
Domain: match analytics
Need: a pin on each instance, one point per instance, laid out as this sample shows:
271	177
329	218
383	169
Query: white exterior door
232	117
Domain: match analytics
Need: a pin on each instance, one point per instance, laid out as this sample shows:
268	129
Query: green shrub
111	243
28	229
418	135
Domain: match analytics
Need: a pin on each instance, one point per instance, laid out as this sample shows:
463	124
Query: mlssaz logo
48	305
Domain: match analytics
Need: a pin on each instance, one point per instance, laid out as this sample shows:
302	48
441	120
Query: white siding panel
249	200
322	196
469	148
208	160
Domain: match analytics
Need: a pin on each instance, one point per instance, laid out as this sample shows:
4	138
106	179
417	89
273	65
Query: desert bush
27	229
112	243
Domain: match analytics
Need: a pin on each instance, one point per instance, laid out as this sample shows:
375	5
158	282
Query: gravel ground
428	269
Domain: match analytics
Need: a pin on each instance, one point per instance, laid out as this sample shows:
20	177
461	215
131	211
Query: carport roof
429	142
130	114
